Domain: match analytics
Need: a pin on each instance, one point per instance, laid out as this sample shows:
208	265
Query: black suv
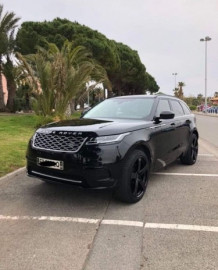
115	144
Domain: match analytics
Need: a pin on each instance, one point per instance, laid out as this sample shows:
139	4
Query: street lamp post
206	39
175	74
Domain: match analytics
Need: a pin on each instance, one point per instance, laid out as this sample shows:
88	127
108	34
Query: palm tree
10	71
8	23
179	92
57	76
176	92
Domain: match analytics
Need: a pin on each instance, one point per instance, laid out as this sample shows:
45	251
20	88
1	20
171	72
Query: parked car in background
116	144
204	109
213	109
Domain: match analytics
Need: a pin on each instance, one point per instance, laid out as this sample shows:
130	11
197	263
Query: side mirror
164	115
167	115
85	111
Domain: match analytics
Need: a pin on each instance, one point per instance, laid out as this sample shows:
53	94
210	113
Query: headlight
107	139
32	138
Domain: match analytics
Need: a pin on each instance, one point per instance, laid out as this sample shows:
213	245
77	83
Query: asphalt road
208	128
175	226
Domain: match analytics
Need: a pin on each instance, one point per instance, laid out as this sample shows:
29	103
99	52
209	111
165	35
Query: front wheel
191	155
134	181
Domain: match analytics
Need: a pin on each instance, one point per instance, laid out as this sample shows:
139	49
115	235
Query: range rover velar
115	144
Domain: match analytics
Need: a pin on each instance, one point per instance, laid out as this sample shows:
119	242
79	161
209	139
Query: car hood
100	127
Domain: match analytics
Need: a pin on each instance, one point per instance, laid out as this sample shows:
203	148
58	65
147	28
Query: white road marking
181	227
75	219
122	222
51	218
206	155
115	222
188	174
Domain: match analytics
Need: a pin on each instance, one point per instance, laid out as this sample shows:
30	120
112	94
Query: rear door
182	126
188	123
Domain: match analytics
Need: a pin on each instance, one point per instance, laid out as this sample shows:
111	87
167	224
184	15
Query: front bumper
92	167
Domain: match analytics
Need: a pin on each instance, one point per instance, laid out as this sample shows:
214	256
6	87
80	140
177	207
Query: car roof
147	96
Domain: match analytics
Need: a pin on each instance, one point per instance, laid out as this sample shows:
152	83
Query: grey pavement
208	128
179	250
44	245
170	199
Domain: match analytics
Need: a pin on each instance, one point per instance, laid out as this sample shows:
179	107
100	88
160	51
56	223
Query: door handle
172	124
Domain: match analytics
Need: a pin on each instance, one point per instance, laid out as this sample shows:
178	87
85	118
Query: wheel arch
143	147
195	132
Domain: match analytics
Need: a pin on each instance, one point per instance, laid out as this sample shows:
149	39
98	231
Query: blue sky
166	33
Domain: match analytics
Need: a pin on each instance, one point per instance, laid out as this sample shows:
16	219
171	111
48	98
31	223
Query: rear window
177	108
185	108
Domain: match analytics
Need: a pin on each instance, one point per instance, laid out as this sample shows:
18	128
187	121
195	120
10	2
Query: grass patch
15	132
76	115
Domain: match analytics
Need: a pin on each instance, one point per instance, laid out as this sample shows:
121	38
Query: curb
12	174
208	114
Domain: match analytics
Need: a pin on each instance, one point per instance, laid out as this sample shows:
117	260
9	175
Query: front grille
58	142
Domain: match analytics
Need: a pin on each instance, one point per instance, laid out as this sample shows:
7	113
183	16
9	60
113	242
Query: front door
164	138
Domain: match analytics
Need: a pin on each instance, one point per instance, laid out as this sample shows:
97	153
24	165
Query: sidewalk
206	114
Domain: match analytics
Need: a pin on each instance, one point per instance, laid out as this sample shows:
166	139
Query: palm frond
61	75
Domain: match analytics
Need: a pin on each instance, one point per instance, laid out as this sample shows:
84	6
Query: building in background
214	100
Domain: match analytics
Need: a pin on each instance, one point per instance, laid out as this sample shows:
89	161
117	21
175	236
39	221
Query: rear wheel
134	181
191	155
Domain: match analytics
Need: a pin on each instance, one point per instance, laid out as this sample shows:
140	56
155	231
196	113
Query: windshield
124	108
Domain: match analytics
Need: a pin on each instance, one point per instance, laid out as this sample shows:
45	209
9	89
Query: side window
163	105
177	108
185	108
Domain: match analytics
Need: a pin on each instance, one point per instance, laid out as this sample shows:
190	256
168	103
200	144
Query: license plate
50	163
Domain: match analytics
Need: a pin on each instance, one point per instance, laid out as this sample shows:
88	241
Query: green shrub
19	104
192	107
43	120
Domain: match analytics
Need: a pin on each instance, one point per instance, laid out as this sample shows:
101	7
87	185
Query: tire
190	157
134	181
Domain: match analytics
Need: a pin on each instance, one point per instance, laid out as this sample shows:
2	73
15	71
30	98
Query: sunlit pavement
175	226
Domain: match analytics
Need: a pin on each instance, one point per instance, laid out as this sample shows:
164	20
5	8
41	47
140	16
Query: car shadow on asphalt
60	192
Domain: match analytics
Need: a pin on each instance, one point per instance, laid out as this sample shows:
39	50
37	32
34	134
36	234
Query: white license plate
50	163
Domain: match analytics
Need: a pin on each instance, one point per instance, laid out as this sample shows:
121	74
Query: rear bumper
92	167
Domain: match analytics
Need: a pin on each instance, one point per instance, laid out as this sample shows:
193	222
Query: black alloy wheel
191	155
135	177
139	177
194	148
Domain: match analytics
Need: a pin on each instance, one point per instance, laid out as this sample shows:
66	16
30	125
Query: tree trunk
81	105
119	90
27	101
72	105
11	94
